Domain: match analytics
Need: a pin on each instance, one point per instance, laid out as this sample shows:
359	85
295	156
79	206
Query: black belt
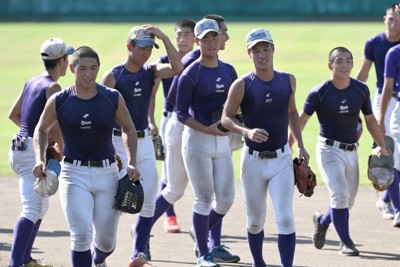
140	134
267	154
166	113
91	163
394	93
344	146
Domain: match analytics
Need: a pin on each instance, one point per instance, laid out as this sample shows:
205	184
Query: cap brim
142	43
54	165
250	45
389	143
70	50
201	35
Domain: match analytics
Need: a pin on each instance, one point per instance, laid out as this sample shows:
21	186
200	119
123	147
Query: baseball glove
129	197
304	177
119	162
53	151
158	147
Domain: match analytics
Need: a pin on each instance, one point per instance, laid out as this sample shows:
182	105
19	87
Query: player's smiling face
184	39
341	65
391	22
139	54
210	44
262	54
86	72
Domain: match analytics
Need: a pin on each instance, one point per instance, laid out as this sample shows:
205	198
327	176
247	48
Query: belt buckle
267	154
88	163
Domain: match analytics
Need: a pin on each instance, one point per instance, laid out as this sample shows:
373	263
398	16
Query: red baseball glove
304	177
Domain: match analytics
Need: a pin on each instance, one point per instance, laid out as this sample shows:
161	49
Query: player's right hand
39	169
214	129
133	173
257	135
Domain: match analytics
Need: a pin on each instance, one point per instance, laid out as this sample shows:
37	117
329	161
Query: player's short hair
84	51
337	50
185	23
218	18
52	63
392	7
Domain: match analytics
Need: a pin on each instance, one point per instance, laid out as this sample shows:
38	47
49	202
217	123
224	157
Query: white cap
55	48
258	35
141	37
205	26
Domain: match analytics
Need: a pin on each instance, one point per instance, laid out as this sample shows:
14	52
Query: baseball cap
258	35
380	170
54	48
141	37
205	26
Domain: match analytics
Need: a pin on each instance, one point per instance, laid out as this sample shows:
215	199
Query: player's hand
155	30
257	135
133	173
302	153
380	151
153	130
215	129
39	169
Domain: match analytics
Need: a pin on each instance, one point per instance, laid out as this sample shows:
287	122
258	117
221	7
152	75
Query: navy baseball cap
205	26
54	48
258	35
141	37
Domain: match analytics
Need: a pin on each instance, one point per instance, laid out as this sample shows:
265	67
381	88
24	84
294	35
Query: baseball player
86	113
176	172
202	89
266	161
25	113
338	102
184	38
135	80
375	50
391	84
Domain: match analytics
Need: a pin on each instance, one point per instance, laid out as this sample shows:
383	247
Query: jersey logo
86	123
343	108
137	91
219	88
268	99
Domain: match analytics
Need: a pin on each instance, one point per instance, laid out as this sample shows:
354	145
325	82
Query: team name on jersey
85	122
268	98
219	88
137	91
343	108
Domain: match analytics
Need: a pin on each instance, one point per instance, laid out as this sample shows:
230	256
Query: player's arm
294	122
41	136
232	104
129	137
108	79
55	131
175	65
376	134
362	73
152	107
387	91
15	111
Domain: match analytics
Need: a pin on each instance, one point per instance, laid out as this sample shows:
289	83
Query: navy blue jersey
136	88
392	66
166	83
265	105
33	102
375	50
338	110
188	59
87	124
202	90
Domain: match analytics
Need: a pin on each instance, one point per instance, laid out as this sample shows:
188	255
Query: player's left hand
380	151
153	130
133	173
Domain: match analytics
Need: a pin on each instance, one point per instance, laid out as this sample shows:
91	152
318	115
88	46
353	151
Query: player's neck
85	92
341	83
54	74
131	66
266	74
210	62
391	37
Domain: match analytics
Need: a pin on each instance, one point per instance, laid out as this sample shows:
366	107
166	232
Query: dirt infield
377	240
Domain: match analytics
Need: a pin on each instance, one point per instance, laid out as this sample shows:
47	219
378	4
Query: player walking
338	102
375	50
135	80
202	89
25	113
86	113
266	161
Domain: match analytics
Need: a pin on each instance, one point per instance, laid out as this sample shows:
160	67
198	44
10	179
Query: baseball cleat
34	263
103	264
396	220
171	225
221	254
139	261
206	261
386	208
319	231
348	249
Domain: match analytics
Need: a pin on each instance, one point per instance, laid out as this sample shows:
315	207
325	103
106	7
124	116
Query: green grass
300	48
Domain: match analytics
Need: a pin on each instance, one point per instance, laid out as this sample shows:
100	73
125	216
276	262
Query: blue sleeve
184	97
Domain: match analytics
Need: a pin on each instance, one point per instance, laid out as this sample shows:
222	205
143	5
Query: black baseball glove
158	147
129	197
304	178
